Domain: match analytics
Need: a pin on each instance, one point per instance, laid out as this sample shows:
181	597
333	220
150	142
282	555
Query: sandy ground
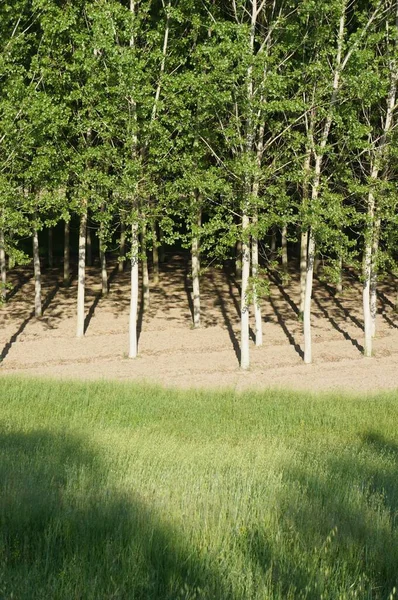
173	354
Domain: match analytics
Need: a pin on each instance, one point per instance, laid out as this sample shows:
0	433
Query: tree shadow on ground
45	304
337	526
336	325
67	532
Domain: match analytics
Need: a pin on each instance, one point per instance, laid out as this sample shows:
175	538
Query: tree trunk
196	271
145	272
122	247
133	342
89	243
256	302
37	272
367	317
66	253
162	247
273	243
244	350
238	260
307	299
104	274
285	258
155	254
50	248
81	280
3	267
339	285
303	268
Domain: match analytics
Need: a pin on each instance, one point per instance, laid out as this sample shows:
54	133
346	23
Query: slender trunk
367	317
339	285
81	279
285	258
273	243
11	262
303	268
307	299
122	247
50	248
155	254
238	260
133	345
89	243
162	247
256	301
145	272
66	252
3	267
37	272
244	350
104	274
196	271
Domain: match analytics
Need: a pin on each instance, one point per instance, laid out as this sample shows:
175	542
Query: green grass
114	491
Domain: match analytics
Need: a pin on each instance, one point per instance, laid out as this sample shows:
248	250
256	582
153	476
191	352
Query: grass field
114	491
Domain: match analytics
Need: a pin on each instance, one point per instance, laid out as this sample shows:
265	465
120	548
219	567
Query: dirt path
173	354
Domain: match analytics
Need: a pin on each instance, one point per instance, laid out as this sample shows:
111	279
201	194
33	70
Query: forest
257	135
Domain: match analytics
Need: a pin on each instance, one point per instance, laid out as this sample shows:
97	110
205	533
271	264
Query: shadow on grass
65	532
337	526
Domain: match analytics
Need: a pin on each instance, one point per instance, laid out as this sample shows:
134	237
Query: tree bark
373	278
122	253
89	243
238	260
50	248
303	268
155	254
339	285
244	344
3	267
256	301
66	253
81	279
145	271
37	273
307	299
196	271
133	342
285	258
104	274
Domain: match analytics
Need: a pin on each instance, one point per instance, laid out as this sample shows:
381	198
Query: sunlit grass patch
121	491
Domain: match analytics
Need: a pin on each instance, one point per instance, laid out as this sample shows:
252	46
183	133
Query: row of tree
211	122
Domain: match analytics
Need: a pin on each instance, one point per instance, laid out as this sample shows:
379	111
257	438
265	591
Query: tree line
211	122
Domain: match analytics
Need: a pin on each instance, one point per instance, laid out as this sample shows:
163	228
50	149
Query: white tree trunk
307	299
3	267
367	317
89	244
238	261
122	253
50	248
37	272
66	253
244	349
196	273
81	279
134	292
256	301
303	268
104	274
155	254
145	271
273	242
339	285
285	258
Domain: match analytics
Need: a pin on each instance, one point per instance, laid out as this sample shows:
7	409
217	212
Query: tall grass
114	491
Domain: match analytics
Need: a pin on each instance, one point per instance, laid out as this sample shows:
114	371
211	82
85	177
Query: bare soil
173	354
